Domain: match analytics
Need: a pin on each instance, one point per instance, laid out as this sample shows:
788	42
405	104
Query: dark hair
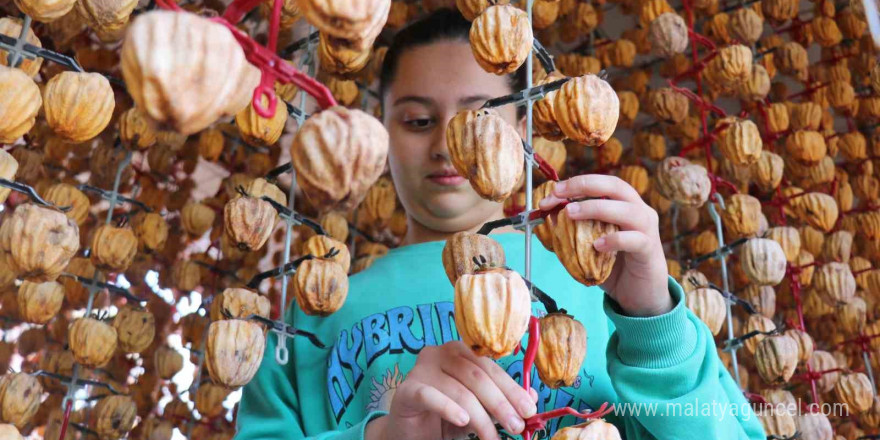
442	24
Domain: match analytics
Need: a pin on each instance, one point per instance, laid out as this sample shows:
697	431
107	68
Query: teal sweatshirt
662	373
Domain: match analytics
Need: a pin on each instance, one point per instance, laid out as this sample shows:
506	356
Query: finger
624	241
490	396
534	394
626	215
596	185
480	422
433	401
549	202
514	392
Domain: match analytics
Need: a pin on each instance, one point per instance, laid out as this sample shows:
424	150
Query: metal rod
528	165
870	371
726	284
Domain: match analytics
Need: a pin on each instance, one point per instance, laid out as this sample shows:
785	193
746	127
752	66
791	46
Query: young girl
394	367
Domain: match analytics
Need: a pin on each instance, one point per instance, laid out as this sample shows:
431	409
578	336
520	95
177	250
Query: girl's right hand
450	393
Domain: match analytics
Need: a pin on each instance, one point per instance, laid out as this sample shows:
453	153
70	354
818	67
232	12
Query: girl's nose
439	150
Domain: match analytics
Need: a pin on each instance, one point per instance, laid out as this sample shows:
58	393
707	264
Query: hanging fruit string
272	67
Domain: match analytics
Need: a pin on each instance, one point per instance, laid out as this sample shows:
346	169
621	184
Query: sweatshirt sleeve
269	407
670	381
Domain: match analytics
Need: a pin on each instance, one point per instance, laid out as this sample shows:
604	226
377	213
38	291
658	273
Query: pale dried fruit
185	275
320	286
683	182
184	71
463	248
561	351
741	215
135	131
636	176
746	25
762	298
741	142
814	425
732	65
817	209
151	231
78	105
233	351
788	238
11	27
209	400
501	39
197	218
587	109
135	329
855	391
545	113
492	309
114	416
778	423
92	342
20	395
487	151
838	247
38	303
338	57
113	248
167	361
806	146
767	170
709	306
359	20
763	261
669	34
248	222
40	242
322	245
237	303
835	284
45	11
63	194
667	105
378	205
338	154
573	243
257	130
19	104
544	231
592	430
776	358
804	343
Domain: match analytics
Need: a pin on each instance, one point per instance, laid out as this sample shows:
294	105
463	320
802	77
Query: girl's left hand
638	281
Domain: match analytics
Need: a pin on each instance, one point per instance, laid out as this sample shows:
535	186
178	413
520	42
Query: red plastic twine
272	67
66	421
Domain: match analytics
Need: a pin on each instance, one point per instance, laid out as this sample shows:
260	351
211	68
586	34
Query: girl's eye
419	123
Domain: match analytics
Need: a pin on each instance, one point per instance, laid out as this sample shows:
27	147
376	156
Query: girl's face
432	83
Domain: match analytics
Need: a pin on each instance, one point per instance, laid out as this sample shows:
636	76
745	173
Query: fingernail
599	243
462	418
560	186
515	424
527	407
572	208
